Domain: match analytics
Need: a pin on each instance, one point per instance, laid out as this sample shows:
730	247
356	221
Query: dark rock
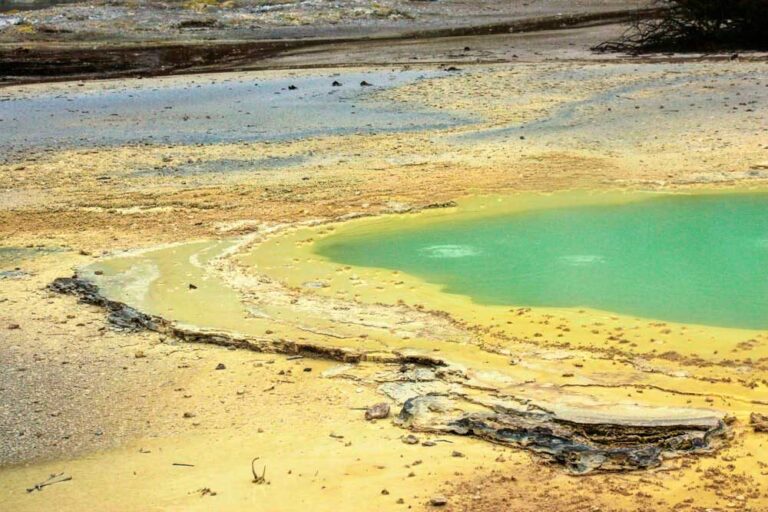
759	422
119	315
581	447
377	412
221	366
336	83
446	204
365	84
438	501
198	23
292	87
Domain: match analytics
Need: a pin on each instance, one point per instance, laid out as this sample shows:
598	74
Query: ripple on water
449	251
582	259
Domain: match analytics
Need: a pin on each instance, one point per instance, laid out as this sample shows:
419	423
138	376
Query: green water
691	259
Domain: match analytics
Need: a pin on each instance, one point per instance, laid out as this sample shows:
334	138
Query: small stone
411	439
457	454
759	422
400	501
438	501
192	286
336	83
12	327
385	492
377	412
429	443
221	366
292	87
189	415
139	354
365	84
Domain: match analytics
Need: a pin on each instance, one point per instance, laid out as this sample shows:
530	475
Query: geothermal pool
699	259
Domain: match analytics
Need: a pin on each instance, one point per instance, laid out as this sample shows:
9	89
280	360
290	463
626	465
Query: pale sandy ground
107	408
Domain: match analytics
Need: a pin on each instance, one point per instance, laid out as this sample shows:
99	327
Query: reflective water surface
691	259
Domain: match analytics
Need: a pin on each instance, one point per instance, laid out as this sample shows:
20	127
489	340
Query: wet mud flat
13	259
220	109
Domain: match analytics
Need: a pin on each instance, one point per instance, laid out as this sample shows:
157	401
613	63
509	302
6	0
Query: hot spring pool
699	259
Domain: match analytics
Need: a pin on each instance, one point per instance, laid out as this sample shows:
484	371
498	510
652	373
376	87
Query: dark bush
697	25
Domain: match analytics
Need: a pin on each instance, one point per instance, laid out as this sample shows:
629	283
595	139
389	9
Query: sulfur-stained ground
116	411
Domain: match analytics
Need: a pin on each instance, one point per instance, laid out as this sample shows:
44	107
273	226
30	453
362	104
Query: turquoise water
691	259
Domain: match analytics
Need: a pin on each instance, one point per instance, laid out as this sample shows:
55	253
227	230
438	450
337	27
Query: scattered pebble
438	501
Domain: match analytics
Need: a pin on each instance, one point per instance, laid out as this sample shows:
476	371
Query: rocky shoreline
580	446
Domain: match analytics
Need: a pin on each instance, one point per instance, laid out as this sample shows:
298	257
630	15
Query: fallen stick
258	479
53	479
